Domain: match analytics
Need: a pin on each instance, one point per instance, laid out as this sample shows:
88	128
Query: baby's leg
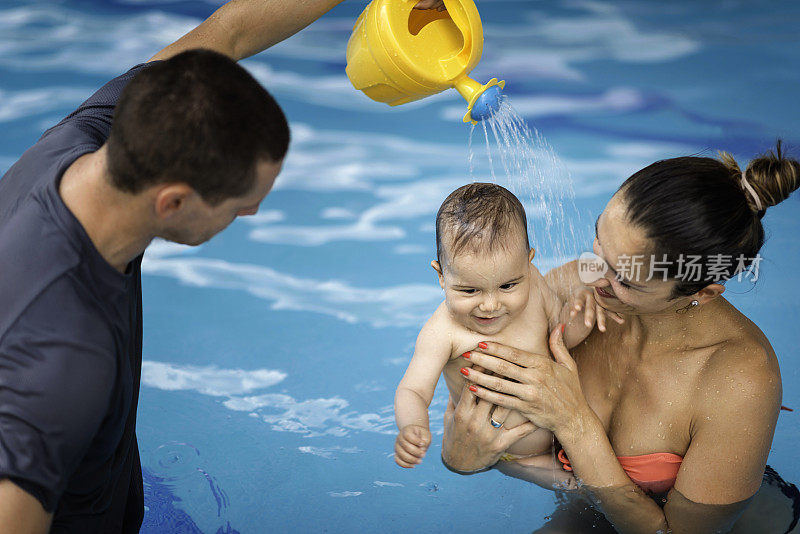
543	470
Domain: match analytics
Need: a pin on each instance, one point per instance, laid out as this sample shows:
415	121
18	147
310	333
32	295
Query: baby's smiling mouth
486	319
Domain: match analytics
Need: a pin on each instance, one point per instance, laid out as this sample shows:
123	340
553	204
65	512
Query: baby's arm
575	329
558	313
415	392
581	313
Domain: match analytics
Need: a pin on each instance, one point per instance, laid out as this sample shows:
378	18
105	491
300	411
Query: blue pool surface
272	352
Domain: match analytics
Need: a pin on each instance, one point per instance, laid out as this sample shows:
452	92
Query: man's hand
411	445
430	4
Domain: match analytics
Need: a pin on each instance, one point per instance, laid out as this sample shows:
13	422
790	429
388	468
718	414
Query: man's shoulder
86	129
39	279
100	105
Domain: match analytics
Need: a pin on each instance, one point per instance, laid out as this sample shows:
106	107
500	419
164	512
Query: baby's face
485	291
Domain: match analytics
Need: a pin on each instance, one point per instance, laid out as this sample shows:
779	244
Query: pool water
271	353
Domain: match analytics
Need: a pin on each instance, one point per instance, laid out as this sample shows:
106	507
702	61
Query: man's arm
59	376
242	28
20	512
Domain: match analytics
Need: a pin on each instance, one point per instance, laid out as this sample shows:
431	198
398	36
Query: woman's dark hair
479	215
197	118
702	207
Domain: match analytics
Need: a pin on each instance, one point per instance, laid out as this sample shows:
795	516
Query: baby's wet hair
479	216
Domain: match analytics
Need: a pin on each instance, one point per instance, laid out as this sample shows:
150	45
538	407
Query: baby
492	293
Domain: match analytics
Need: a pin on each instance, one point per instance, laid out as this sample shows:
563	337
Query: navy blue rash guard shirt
70	341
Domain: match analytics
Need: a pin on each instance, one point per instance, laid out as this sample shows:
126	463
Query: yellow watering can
398	54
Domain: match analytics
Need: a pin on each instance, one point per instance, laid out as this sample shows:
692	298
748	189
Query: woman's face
632	284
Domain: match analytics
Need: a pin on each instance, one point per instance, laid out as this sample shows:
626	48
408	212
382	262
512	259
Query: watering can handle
466	18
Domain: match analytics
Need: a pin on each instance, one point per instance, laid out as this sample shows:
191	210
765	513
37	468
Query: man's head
200	130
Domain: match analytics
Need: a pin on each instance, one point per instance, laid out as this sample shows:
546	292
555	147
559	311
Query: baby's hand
584	301
411	444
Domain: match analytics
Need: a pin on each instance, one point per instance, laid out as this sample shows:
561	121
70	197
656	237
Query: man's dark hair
479	215
197	118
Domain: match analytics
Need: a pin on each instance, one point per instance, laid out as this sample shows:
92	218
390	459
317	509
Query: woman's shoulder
741	356
739	337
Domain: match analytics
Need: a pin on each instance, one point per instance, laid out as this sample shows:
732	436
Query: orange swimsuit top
654	473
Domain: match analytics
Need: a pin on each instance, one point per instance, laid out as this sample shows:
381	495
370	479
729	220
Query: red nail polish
466	355
473	389
482	345
465	371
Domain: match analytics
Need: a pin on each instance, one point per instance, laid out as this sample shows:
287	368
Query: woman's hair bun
772	176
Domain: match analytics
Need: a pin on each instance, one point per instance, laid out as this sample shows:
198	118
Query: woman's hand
546	391
471	443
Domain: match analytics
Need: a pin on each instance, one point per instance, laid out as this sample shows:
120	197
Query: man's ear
531	254
438	268
708	293
171	198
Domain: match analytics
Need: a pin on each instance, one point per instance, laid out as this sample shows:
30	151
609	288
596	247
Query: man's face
203	221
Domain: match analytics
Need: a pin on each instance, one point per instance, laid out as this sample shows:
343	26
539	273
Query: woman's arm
733	425
548	393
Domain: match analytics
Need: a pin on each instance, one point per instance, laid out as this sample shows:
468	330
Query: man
195	142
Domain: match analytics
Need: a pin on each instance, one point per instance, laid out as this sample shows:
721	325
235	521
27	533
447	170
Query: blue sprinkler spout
487	103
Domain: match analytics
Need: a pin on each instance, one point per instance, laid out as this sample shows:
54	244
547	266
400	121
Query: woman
683	396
